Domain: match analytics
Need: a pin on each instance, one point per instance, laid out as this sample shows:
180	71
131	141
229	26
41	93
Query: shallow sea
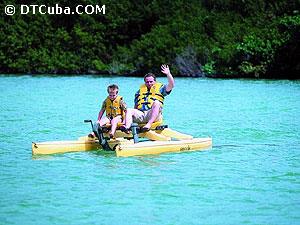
250	176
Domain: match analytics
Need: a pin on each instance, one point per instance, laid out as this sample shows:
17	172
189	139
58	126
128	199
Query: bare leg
128	118
102	122
114	122
155	109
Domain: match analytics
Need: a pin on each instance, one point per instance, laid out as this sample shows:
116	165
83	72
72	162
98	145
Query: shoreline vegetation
215	39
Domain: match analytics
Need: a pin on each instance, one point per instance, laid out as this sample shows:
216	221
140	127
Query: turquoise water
250	176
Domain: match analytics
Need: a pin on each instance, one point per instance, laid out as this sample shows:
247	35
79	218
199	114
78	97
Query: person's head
112	91
150	80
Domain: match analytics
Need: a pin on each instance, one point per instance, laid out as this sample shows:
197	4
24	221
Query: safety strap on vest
147	97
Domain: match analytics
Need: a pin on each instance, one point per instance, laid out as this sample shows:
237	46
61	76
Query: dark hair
114	87
149	75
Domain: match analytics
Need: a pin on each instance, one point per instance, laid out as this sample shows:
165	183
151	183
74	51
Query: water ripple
251	174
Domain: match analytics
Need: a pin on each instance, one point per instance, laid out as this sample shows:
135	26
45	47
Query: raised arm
171	83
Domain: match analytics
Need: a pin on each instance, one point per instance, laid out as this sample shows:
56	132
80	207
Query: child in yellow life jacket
115	109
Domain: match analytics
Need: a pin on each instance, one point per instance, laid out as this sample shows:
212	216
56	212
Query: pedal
105	129
161	127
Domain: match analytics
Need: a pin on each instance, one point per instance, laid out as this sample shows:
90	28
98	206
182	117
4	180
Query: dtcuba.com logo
54	10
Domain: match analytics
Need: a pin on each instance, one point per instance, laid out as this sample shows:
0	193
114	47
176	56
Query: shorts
144	116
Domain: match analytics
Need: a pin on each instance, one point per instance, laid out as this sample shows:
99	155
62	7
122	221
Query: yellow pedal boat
155	141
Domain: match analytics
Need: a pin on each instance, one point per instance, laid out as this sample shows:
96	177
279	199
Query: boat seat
158	125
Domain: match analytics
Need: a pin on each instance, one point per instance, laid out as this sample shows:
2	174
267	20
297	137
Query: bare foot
124	129
111	136
145	129
91	135
147	126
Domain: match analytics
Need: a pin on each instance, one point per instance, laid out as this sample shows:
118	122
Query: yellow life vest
113	108
147	97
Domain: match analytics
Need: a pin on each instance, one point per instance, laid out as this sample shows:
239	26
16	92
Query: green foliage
99	65
209	68
248	68
215	37
259	49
